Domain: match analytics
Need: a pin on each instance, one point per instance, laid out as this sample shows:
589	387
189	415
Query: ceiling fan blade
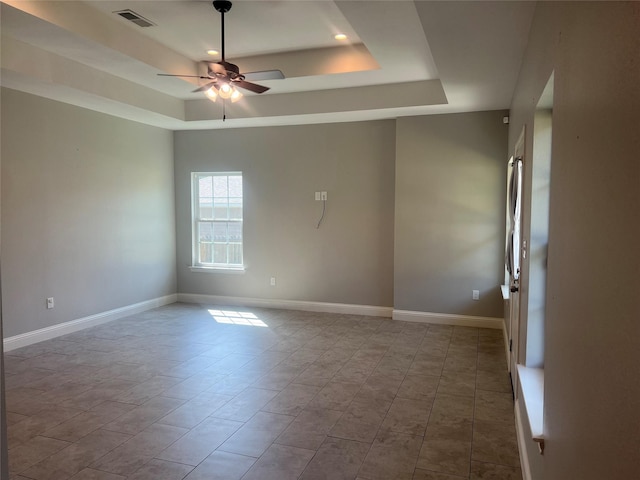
252	87
264	75
186	76
204	87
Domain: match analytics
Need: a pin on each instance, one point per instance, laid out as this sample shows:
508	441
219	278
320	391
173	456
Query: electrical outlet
50	303
475	294
323	195
317	196
272	282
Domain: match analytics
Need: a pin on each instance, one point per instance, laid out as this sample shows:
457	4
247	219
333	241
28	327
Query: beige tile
420	474
279	377
291	400
394	364
495	443
77	456
139	450
434	346
91	474
230	363
355	371
141	417
33	451
110	410
451	409
309	429
460	363
383	387
350	429
192	366
192	373
228	385
98	394
492	361
280	462
195	410
445	455
145	391
391	454
426	364
304	357
419	387
408	416
255	436
159	469
76	427
367	409
39	423
12	419
317	375
335	396
337	459
490	471
494	407
245	405
191	387
460	430
25	401
494	380
457	383
222	466
196	445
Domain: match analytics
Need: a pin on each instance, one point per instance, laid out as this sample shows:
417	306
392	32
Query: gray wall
448	216
4	460
349	259
592	325
449	213
87	212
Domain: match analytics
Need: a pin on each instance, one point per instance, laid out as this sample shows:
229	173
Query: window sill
505	292
532	385
217	269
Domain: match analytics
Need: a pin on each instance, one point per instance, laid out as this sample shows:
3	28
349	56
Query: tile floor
201	393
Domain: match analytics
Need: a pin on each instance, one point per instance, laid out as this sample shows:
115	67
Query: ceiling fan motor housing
222	6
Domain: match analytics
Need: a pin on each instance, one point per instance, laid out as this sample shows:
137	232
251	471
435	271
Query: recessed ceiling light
213	52
340	36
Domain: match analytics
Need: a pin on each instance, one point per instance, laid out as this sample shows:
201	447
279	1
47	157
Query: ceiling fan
224	77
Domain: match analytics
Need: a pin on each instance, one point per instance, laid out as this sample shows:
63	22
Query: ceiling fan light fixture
225	91
212	94
236	95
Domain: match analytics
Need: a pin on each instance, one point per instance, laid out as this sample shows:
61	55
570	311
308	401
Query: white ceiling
402	57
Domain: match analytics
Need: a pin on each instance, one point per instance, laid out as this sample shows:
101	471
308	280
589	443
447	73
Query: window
217	220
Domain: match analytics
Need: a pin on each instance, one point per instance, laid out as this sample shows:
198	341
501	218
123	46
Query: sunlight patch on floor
237	318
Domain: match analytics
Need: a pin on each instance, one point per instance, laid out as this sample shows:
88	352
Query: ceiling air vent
135	18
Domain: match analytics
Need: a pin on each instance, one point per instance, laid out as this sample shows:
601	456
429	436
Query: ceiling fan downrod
222	6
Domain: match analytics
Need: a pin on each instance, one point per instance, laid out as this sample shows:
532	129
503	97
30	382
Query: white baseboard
24	339
286	304
447	319
522	446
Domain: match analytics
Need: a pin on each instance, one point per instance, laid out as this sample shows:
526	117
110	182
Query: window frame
197	218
